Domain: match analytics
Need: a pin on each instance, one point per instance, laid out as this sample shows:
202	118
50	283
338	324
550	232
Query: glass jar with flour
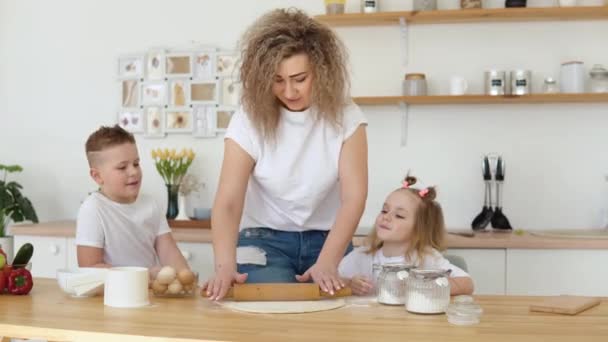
428	291
391	283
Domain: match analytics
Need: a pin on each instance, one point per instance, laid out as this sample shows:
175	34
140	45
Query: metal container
495	82
521	82
370	6
599	79
391	283
428	291
414	85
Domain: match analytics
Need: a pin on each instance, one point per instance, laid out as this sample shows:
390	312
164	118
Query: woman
294	175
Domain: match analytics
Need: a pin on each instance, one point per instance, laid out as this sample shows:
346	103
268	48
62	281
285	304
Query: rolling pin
280	292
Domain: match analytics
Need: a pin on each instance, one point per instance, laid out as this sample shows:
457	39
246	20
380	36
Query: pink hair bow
423	192
406	184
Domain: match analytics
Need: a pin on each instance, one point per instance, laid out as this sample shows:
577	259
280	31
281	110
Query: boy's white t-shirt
360	263
294	185
126	232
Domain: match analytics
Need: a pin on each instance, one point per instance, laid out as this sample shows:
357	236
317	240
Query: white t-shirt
294	185
360	263
126	232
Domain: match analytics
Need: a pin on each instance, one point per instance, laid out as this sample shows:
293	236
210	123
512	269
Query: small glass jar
599	79
391	283
425	5
370	6
550	86
468	4
414	85
428	291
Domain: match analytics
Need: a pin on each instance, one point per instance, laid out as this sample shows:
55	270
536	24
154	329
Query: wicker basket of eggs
172	283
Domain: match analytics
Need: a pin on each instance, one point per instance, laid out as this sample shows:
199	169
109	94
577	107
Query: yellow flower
154	155
191	154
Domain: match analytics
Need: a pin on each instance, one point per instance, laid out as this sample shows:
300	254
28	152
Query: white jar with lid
428	291
572	77
599	79
391	283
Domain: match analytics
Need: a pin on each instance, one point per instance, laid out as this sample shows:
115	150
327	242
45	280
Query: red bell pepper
6	271
20	282
2	282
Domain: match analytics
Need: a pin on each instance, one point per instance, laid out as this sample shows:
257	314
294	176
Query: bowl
171	283
82	282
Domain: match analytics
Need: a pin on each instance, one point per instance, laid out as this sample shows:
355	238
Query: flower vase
181	214
172	205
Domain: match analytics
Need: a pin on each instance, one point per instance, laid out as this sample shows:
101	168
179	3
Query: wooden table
50	314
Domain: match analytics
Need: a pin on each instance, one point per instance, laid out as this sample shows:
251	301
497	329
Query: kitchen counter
50	314
480	240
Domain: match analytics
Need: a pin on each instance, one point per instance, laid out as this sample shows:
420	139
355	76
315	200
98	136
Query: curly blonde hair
278	35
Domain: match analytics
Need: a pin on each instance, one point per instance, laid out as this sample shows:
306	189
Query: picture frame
129	93
178	65
226	63
179	92
153	93
155	64
230	95
205	121
131	120
178	120
223	117
130	66
204	92
154	118
204	65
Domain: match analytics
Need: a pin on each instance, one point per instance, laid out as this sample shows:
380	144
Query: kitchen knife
264	292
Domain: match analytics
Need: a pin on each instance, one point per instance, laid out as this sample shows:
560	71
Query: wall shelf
481	99
468	16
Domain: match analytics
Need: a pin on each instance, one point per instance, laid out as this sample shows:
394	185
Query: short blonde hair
281	34
106	137
429	226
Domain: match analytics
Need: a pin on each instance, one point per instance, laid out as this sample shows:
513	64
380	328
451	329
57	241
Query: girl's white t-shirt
294	185
126	232
360	263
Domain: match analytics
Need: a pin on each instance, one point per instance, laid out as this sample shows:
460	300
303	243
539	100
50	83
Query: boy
116	226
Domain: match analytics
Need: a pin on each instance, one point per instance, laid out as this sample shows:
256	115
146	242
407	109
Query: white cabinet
557	272
50	254
486	267
200	258
72	256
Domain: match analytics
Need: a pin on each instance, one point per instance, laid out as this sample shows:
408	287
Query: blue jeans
287	253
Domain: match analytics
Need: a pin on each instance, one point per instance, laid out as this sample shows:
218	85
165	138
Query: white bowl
82	282
126	287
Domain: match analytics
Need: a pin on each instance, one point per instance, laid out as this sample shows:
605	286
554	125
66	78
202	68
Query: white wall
57	84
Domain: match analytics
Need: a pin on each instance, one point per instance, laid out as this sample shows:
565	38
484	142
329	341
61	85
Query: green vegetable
23	256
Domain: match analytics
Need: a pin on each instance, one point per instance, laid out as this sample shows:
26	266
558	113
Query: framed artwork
204	92
224	114
155	65
178	65
204	65
153	93
226	64
179	93
177	120
231	92
131	120
129	93
131	66
154	122
205	121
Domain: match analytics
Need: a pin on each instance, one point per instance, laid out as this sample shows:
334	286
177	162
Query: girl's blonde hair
281	34
429	227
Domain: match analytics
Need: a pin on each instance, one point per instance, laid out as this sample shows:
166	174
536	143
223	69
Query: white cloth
126	232
294	185
360	263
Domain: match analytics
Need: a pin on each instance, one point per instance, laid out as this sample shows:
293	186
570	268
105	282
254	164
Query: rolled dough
285	307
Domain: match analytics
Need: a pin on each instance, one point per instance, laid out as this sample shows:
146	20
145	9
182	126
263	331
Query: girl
410	230
293	182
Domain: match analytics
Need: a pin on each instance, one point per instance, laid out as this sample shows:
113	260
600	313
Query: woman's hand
324	274
361	286
217	286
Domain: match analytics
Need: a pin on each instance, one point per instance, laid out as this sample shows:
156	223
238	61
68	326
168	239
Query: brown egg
159	288
166	275
175	287
186	277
